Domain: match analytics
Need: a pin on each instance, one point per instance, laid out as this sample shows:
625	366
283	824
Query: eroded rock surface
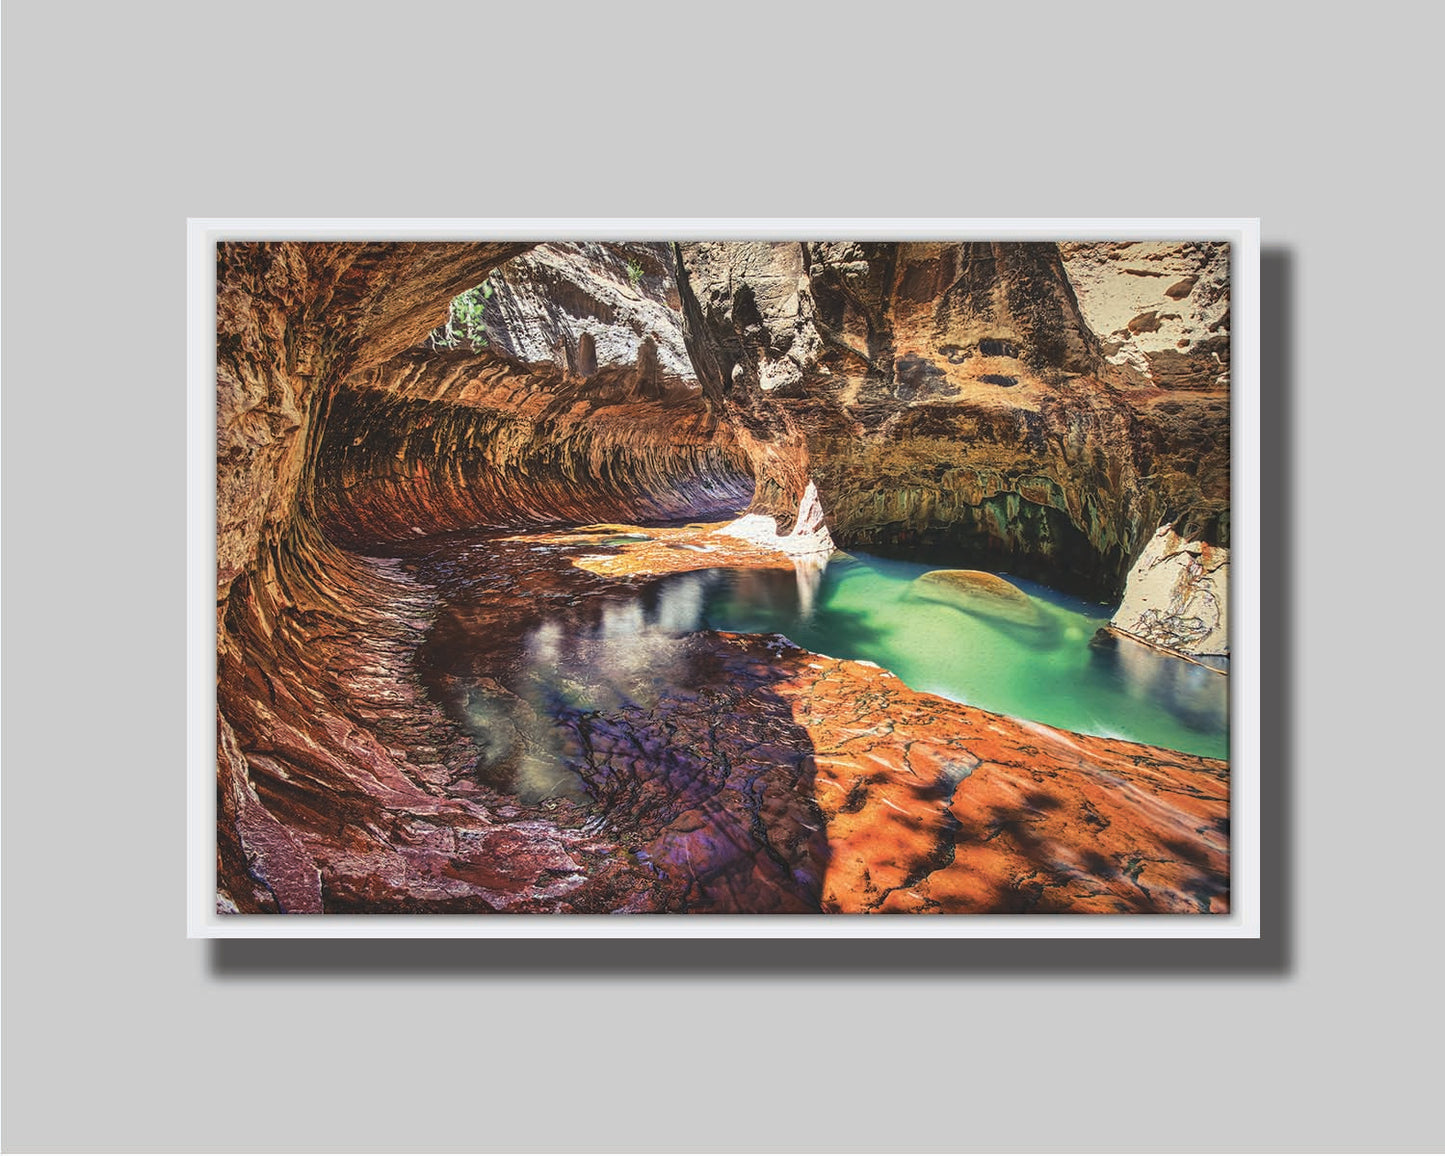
293	321
936	807
751	775
582	407
809	535
950	397
335	421
442	440
1160	308
592	310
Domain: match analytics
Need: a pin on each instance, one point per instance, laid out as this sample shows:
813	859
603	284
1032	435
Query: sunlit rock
1160	308
809	535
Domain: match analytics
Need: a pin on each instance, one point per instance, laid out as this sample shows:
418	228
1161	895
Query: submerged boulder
979	592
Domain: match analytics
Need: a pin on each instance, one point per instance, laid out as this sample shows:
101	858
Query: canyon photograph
722	577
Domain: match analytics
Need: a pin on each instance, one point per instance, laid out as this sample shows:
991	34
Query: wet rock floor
716	772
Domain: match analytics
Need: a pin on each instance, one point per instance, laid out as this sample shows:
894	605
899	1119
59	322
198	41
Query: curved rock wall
583	408
437	441
294	319
335	421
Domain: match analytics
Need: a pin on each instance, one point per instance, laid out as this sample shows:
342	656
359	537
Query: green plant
464	320
634	272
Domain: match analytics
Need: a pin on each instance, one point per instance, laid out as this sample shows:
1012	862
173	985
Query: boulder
1177	596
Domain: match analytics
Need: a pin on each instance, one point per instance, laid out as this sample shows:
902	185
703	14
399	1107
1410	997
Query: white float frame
1243	920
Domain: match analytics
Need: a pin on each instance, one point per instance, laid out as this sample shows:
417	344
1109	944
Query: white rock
810	532
1117	282
1177	596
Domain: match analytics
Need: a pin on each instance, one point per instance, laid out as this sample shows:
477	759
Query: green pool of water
862	607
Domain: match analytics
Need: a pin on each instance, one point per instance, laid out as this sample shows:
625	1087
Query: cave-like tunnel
472	501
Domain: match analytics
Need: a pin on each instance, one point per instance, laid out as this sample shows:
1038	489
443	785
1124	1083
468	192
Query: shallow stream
862	607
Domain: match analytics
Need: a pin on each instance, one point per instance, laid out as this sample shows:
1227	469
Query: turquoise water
862	607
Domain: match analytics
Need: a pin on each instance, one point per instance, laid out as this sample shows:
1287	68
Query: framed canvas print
694	578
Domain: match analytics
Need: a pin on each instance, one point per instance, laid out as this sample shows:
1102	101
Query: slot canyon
490	577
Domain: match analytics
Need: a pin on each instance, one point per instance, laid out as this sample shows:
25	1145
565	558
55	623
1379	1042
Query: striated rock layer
334	768
581	408
294	320
450	440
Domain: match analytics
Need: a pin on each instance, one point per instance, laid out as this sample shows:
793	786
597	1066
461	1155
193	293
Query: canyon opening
722	577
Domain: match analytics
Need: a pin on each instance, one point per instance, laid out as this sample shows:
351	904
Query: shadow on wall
390	467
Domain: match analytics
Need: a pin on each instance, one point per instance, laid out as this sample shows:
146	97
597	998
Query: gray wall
123	119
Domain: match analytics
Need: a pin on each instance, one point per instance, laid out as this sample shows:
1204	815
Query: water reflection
808	570
630	653
867	608
626	653
1195	693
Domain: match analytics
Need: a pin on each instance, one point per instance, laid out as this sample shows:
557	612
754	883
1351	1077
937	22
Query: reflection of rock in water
627	654
516	750
809	571
1197	695
771	595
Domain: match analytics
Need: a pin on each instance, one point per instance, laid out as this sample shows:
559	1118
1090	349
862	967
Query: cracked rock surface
1177	596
